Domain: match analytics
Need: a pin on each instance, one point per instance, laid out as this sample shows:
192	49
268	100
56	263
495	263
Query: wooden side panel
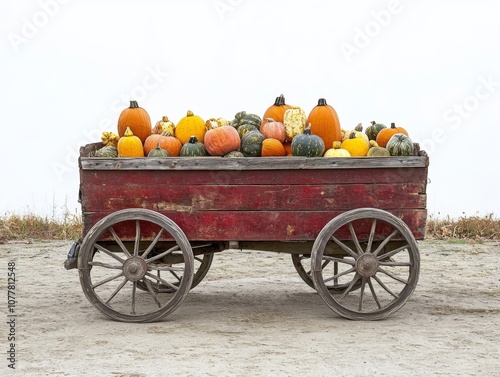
262	225
255	205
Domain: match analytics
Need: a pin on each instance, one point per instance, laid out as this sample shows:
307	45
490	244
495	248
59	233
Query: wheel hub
135	268
367	265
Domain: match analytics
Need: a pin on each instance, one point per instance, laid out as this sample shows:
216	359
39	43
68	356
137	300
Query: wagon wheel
388	274
302	264
110	279
202	264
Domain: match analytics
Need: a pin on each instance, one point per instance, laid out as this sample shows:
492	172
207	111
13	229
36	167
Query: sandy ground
254	316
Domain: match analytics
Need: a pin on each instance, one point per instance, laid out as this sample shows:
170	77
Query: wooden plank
251	163
253	177
119	195
261	225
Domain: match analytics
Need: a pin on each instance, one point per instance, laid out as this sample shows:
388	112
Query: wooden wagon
152	226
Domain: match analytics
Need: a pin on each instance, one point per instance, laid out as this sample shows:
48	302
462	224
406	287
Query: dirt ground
253	316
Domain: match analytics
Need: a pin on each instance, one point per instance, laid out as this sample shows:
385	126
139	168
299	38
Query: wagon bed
323	211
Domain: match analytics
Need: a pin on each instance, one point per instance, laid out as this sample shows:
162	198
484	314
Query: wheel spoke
137	238
105	265
344	247
390	274
152	292
351	285
392	252
385	242
106	251
362	294
119	242
339	260
343	273
370	284
355	239
118	289
134	291
371	237
164	254
160	280
396	264
107	280
152	244
165	267
385	287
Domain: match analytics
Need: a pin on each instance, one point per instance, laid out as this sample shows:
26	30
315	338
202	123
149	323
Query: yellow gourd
355	145
190	125
337	151
130	145
295	122
164	125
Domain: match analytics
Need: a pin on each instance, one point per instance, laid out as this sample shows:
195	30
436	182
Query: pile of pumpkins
283	130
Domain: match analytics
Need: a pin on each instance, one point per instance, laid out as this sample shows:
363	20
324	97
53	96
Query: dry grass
33	227
471	228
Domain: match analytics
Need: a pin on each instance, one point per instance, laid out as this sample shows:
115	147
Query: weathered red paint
255	205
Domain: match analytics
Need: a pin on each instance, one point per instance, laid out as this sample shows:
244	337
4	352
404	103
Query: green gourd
193	148
251	144
400	145
308	145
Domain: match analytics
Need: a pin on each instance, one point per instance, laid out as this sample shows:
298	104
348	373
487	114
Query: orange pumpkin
276	111
222	140
165	141
273	130
137	119
325	122
384	135
129	145
272	148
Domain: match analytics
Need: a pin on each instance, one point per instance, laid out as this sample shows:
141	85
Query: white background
69	67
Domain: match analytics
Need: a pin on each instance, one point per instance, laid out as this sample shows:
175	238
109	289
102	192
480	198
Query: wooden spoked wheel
111	271
202	264
379	253
302	264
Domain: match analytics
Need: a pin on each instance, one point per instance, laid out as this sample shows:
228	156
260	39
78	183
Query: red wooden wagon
152	226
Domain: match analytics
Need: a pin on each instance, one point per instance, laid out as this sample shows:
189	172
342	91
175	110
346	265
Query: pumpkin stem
164	118
280	101
190	113
373	122
393	125
134	105
193	140
322	102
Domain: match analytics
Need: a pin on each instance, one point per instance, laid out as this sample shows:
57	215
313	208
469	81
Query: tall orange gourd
325	123
137	119
277	110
